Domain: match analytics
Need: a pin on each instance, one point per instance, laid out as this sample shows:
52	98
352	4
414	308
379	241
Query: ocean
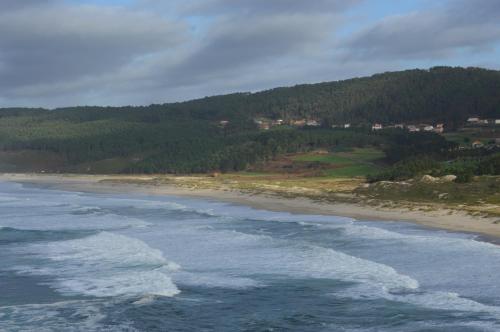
72	261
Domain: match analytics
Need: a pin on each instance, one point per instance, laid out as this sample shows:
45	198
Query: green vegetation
357	162
477	193
188	137
464	168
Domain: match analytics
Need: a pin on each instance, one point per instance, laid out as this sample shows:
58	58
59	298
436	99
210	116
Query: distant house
377	126
497	121
312	123
482	122
473	120
264	125
278	122
428	128
439	128
347	125
298	123
223	123
477	144
413	128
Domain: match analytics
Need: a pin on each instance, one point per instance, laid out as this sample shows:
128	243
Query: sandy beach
447	219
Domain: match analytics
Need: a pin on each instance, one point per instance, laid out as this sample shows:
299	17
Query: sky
56	53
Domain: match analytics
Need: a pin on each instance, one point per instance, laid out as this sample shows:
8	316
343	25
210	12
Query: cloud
266	7
67	52
437	33
233	44
17	4
61	43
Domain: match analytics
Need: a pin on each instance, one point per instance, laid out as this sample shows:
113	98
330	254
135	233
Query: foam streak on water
91	262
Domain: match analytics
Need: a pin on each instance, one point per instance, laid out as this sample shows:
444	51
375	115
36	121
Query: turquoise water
100	262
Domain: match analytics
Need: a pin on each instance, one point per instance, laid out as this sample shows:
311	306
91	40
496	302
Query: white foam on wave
138	203
68	221
85	316
105	265
437	300
236	254
448	244
446	301
320	262
216	280
7	199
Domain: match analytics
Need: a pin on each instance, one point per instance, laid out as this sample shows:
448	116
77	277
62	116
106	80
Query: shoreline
452	220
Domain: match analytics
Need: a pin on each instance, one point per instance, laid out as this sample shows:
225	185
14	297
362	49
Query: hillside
187	137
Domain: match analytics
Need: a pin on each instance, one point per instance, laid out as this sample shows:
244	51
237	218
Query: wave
104	265
10	235
67	221
328	263
60	316
216	280
445	240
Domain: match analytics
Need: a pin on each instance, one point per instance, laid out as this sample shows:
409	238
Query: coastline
446	219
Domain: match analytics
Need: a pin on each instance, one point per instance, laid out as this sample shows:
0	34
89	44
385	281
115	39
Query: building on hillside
439	128
413	128
428	128
298	123
377	126
264	125
497	121
477	144
277	122
313	123
347	125
473	120
223	123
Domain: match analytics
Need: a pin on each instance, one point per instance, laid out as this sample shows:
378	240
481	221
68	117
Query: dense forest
187	137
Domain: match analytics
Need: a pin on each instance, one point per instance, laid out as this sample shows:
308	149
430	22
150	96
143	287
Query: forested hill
187	137
442	94
439	94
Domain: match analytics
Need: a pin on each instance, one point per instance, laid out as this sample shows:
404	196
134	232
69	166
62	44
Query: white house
439	128
377	126
413	129
477	144
429	128
312	123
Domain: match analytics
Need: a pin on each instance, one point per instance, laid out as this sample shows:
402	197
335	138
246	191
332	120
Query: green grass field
358	162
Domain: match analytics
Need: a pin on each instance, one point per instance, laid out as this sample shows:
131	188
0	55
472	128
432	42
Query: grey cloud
270	7
17	4
237	43
435	33
57	43
59	53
